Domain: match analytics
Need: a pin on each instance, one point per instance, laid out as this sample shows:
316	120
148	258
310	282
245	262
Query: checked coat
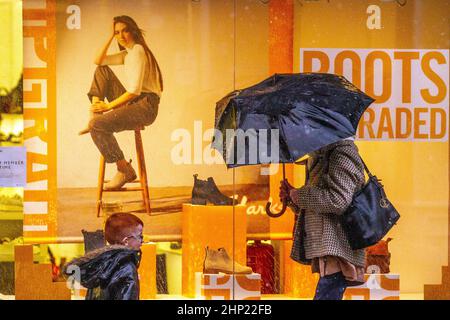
334	174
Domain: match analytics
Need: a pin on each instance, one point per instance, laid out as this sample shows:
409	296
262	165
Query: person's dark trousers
331	287
141	111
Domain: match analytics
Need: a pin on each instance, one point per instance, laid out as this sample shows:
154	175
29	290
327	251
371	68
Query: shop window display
208	227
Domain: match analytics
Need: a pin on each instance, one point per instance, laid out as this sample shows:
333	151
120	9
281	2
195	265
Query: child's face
134	240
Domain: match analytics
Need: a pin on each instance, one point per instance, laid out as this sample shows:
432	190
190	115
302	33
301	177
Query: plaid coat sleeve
344	177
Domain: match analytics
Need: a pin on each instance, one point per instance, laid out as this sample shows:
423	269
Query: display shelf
228	286
212	226
34	281
376	287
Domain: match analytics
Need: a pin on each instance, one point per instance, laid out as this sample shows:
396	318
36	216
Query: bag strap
365	167
364	164
384	200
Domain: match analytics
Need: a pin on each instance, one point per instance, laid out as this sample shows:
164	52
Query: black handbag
370	215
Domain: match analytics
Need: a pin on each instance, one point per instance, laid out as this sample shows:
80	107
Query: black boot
207	191
199	191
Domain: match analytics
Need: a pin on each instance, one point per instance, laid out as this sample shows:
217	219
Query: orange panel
281	46
281	36
210	226
358	292
147	272
389	284
34	281
44	40
298	280
226	287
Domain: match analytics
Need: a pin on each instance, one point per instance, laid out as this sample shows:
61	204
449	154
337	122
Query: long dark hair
138	37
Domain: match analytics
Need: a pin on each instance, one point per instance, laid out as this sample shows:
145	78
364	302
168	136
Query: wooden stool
142	176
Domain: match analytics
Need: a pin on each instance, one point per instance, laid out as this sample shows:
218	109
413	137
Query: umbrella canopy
308	111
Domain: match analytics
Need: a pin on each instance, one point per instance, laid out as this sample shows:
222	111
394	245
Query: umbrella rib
281	139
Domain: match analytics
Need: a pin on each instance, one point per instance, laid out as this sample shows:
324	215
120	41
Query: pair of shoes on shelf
218	261
206	191
121	177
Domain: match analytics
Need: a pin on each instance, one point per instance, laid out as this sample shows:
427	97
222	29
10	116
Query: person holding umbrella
315	114
334	174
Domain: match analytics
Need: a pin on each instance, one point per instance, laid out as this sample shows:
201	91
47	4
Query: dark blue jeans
331	287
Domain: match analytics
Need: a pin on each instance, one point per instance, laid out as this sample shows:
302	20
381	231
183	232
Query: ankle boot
205	191
219	196
218	261
121	178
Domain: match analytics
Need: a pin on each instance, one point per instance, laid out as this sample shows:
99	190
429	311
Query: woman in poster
129	106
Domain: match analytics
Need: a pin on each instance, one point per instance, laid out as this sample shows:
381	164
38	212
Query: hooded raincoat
109	273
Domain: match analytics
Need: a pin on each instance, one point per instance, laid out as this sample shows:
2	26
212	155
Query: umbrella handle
269	204
275	215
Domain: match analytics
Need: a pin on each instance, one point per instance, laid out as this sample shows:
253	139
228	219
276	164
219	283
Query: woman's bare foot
84	131
91	115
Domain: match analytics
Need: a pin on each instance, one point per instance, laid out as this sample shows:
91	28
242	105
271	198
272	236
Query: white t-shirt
141	76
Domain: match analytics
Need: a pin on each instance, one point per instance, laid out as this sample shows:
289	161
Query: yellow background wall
11	38
415	174
194	43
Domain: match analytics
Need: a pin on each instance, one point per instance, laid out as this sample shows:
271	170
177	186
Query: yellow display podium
34	281
147	272
376	287
299	281
228	286
212	226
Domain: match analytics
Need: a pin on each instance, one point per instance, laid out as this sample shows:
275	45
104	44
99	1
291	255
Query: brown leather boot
218	261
